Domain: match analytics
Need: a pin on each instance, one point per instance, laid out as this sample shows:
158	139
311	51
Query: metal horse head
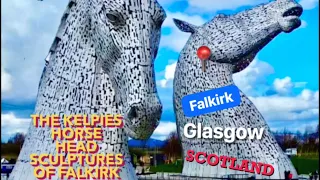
236	39
126	35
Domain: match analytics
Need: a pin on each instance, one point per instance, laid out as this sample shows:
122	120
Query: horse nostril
133	113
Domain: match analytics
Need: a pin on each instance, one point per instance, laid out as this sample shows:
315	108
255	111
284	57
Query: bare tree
289	140
173	148
18	138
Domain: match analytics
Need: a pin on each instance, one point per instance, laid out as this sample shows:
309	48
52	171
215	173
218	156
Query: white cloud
21	24
283	86
280	106
309	4
308	95
162	138
252	80
28	30
298	126
293	116
277	107
6	81
216	5
316	95
164	129
10	124
177	39
168	75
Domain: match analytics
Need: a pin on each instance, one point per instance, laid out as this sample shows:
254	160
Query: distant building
146	152
3	161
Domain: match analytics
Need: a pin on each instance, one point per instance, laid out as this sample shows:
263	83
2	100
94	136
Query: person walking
310	176
316	174
287	175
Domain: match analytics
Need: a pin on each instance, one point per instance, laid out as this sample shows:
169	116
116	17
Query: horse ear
184	26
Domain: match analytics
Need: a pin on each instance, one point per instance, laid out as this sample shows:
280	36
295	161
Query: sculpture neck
219	74
216	74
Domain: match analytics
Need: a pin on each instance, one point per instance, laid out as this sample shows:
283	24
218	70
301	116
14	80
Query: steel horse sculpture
101	62
234	41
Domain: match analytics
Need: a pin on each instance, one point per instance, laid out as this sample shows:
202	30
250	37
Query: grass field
172	168
305	165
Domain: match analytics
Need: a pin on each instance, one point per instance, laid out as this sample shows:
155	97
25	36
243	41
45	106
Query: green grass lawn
172	168
305	165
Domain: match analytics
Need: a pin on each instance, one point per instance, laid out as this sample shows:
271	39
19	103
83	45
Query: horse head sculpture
126	37
101	62
234	41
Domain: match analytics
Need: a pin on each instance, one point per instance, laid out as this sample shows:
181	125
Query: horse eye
112	18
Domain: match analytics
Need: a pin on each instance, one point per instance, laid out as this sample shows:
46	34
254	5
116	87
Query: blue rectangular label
211	101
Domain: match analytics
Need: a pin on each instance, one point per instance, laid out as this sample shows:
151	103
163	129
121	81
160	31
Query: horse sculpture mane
234	41
90	71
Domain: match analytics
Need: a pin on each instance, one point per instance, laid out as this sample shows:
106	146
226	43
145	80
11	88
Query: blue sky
282	81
